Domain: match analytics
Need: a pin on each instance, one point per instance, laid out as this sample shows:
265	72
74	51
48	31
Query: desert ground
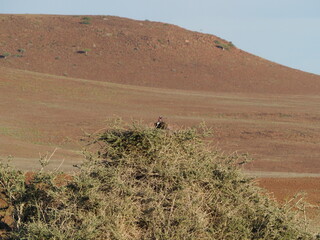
62	78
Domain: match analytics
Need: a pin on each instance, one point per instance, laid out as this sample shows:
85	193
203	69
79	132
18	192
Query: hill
142	53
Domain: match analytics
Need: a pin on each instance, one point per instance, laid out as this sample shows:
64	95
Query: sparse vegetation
231	45
85	20
84	51
5	55
21	50
146	183
224	46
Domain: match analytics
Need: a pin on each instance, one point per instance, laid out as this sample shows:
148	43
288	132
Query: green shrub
5	55
146	183
21	50
85	20
84	51
226	46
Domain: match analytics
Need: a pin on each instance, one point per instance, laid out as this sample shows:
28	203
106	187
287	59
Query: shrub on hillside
85	20
147	183
84	51
223	46
5	55
21	50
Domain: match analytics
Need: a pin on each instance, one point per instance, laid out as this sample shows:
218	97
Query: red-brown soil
50	94
142	53
285	189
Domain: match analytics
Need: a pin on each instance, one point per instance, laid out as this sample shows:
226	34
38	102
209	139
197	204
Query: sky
283	31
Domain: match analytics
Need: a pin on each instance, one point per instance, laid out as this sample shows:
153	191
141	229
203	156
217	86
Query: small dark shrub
21	50
5	55
84	51
86	20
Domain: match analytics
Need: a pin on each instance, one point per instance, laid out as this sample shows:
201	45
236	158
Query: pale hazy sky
283	31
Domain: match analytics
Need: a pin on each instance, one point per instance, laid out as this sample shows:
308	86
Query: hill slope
141	53
40	112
